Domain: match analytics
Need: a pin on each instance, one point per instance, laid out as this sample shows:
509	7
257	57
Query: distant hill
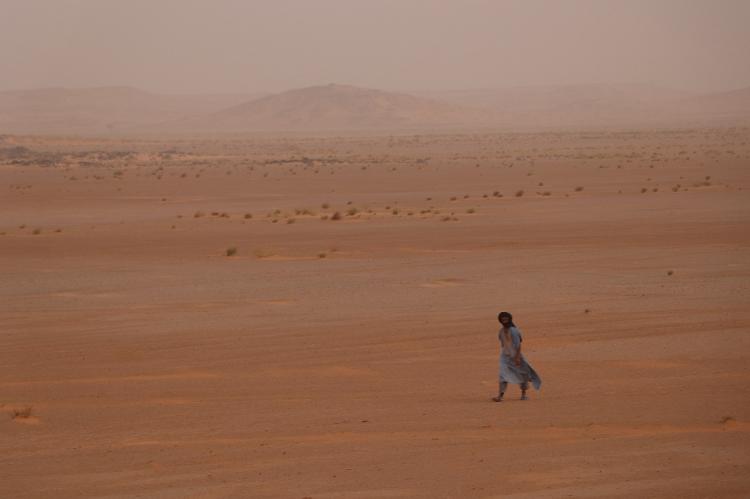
347	108
717	108
335	107
567	105
100	110
602	105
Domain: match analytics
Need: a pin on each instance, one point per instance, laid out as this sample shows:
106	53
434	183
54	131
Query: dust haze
258	249
271	46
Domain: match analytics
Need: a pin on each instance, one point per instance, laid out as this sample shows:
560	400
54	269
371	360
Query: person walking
513	365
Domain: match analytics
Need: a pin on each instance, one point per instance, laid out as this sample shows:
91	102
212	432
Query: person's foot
524	397
497	399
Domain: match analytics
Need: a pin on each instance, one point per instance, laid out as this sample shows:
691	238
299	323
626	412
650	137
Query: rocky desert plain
314	316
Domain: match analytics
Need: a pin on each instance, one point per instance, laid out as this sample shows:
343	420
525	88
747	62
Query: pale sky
199	46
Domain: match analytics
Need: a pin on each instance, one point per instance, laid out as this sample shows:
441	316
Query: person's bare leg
524	387
501	386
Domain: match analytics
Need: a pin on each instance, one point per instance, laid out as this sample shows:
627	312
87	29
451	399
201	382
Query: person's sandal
524	397
497	399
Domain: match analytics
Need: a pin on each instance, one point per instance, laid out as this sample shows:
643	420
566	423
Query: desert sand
186	318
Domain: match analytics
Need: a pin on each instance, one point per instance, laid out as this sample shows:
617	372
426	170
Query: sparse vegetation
22	413
231	251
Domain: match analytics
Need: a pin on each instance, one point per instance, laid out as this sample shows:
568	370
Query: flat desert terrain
291	316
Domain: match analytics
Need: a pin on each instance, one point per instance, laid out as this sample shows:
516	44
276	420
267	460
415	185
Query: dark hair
508	315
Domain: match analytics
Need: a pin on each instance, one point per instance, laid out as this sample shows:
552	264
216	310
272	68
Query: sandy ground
356	358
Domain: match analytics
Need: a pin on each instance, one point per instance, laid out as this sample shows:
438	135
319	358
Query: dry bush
263	253
519	193
231	251
23	413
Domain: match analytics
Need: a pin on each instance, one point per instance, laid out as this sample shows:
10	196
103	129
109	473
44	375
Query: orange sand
357	358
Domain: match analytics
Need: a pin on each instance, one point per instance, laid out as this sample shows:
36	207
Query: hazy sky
189	46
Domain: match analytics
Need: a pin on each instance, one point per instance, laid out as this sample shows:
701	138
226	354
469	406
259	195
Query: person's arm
517	344
517	358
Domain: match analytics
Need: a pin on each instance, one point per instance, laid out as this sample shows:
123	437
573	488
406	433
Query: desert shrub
231	251
336	216
23	413
519	193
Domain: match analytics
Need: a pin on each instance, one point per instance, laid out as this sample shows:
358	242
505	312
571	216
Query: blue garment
509	371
